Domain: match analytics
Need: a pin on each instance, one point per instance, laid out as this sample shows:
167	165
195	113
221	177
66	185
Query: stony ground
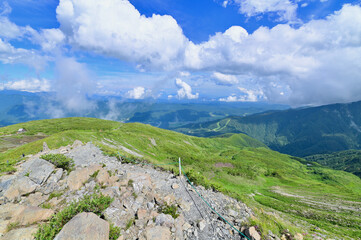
138	192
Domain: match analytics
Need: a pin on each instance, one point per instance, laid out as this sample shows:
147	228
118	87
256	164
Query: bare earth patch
13	141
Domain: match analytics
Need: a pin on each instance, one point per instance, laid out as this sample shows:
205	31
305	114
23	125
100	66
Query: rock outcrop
148	203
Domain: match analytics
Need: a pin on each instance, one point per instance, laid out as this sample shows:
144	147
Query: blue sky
297	52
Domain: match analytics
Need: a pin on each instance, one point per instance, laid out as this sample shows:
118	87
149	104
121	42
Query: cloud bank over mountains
316	63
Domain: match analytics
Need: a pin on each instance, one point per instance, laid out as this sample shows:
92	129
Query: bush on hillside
95	203
60	161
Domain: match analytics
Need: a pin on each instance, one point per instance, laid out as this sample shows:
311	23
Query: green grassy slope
284	192
299	132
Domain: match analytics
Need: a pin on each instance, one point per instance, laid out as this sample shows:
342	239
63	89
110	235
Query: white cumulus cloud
286	9
12	55
321	54
136	93
184	90
225	79
116	28
247	95
29	85
48	39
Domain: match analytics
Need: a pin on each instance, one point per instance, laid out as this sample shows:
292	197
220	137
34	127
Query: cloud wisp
74	85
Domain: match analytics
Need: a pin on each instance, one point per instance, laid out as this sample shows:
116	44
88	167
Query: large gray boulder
19	186
38	170
85	226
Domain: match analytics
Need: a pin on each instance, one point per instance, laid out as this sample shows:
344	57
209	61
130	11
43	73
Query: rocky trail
38	189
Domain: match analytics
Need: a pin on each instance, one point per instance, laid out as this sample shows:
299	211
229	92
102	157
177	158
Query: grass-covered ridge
302	195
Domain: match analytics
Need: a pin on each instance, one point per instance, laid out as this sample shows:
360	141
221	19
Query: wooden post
180	169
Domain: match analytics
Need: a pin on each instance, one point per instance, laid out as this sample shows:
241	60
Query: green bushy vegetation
169	209
236	165
349	161
95	203
60	161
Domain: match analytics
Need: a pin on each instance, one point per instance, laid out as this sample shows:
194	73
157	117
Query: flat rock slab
22	215
5	183
7	211
21	234
35	199
86	155
157	233
38	170
85	226
32	214
78	177
20	186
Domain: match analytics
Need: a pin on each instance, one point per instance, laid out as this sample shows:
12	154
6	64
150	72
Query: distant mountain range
17	106
298	132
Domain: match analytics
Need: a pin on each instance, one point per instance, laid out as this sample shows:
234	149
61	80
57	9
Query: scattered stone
157	233
186	226
150	205
102	177
252	233
298	236
77	178
169	199
45	147
85	226
111	192
179	222
202	224
232	213
77	143
175	186
152	141
164	220
142	213
140	181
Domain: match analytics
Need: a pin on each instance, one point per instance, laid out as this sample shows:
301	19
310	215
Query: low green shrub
114	232
95	203
198	179
95	174
129	224
60	161
54	194
169	209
